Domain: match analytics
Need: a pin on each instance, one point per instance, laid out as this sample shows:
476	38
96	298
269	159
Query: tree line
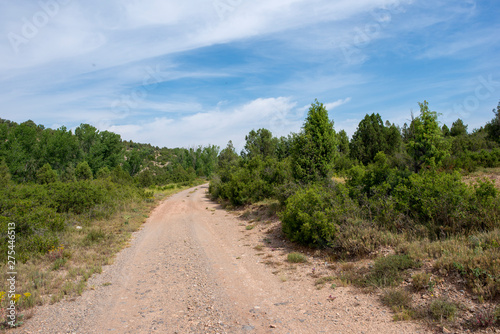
33	153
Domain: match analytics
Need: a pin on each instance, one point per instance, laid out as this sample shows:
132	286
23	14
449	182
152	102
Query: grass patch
324	280
249	227
259	247
441	309
388	271
421	281
396	298
400	302
94	236
296	257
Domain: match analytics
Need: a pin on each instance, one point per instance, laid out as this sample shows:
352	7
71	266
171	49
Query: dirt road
192	270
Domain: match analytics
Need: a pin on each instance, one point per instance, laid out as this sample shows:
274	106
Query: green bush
308	217
36	224
447	206
77	197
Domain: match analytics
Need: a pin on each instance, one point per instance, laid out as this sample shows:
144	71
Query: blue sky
186	73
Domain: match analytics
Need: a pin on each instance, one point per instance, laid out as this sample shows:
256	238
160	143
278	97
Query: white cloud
338	103
216	126
90	54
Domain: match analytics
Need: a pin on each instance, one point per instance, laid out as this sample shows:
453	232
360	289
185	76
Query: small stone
272	326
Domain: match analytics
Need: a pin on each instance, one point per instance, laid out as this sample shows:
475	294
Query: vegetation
295	257
442	309
69	193
75	198
418	189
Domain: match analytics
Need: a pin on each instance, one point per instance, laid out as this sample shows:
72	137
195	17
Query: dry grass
295	257
492	174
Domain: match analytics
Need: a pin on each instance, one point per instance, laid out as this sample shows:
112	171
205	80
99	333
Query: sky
199	72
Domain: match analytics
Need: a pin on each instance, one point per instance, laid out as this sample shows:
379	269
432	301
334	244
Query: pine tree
315	148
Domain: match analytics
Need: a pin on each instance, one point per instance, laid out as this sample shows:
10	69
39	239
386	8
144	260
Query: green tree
315	148
426	144
145	178
83	171
87	136
446	130
4	174
103	173
343	142
228	157
60	148
46	175
284	147
372	136
458	128
493	127
260	143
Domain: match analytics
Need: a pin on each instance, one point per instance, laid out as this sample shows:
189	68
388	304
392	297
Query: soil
195	268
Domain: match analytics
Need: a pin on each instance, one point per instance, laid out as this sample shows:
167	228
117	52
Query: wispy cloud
184	73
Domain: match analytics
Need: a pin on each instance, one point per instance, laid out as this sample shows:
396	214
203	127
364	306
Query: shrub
355	238
446	206
484	318
396	299
83	171
441	309
295	257
308	217
387	271
421	281
46	175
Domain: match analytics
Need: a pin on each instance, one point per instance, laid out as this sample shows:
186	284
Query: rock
446	330
272	326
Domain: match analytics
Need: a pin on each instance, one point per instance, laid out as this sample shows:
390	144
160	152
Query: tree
493	127
458	128
343	142
60	148
371	137
284	147
103	173
83	171
426	144
260	143
228	160
315	148
4	174
228	156
87	136
46	175
445	130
